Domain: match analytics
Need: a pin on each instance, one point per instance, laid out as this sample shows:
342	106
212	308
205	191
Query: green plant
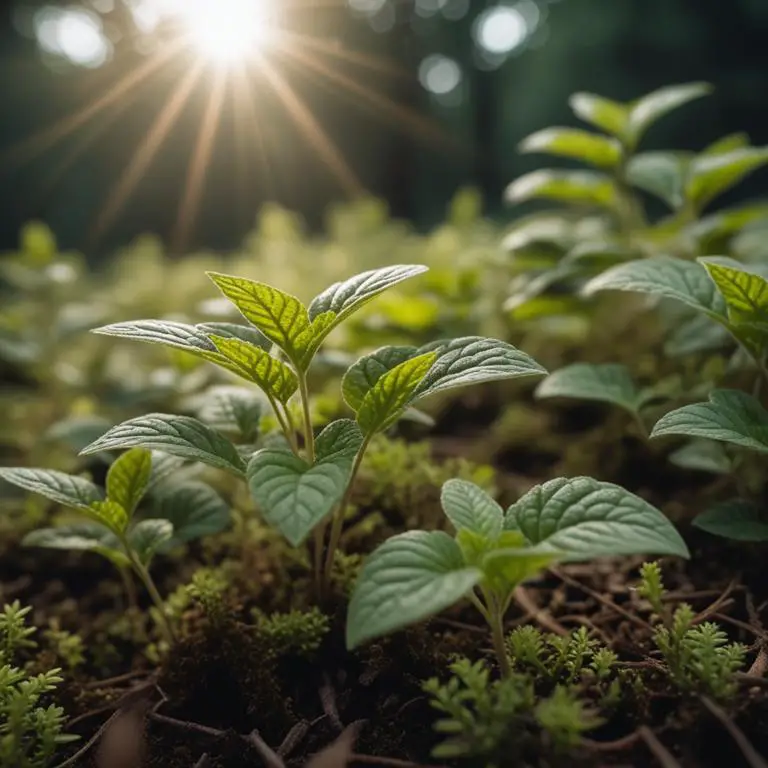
30	729
297	488
416	574
299	632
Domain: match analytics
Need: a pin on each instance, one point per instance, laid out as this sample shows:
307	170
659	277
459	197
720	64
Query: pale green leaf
591	148
702	455
148	536
362	376
109	513
294	495
663	174
585	518
128	477
469	507
610	116
71	491
193	508
505	568
274	377
88	537
245	333
409	578
385	401
726	144
745	292
730	416
711	175
608	383
735	519
181	436
577	187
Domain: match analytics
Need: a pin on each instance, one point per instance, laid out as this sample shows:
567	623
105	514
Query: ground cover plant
411	521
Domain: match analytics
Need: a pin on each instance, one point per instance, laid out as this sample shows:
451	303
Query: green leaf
163	466
711	175
727	144
71	491
128	477
473	360
148	536
363	375
581	145
409	578
346	297
470	508
607	383
730	416
92	537
111	514
385	402
245	333
610	116
646	110
181	436
666	277
663	174
282	318
193	508
702	455
506	568
294	495
576	187
233	409
270	374
735	519
585	518
744	291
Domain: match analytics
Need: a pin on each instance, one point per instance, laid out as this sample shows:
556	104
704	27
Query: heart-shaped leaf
610	116
735	519
470	508
577	144
730	416
282	318
148	536
181	436
294	495
585	518
576	187
361	377
384	403
193	508
128	477
92	537
71	491
608	383
274	377
666	277
409	578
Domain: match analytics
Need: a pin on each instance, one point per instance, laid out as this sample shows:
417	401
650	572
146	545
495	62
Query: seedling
298	486
417	574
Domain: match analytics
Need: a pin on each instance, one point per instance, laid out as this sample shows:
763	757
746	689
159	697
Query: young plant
417	574
299	485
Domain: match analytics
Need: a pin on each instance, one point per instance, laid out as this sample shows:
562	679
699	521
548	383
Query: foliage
297	632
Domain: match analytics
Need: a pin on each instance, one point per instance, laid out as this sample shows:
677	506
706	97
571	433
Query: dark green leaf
71	491
193	508
735	519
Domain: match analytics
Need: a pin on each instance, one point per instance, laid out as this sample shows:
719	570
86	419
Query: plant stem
309	435
148	582
338	519
285	424
130	587
497	634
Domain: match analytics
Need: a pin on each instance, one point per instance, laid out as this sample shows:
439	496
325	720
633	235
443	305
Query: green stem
130	587
309	435
338	519
285	425
146	579
497	634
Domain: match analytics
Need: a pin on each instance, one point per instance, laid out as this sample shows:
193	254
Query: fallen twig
750	753
660	752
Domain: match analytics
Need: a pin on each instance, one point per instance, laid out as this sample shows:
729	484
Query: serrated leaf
282	318
610	116
384	403
345	297
270	374
294	495
585	518
702	455
148	536
607	383
663	174
506	568
711	175
127	478
193	508
648	109
181	436
92	537
71	491
730	416
473	360
362	376
666	277
409	578
470	508
111	514
576	187
735	519
601	151
745	292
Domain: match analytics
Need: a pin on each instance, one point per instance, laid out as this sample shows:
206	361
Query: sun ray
198	164
147	150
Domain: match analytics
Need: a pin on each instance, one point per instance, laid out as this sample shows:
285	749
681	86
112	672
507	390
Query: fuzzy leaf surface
470	508
585	518
181	436
592	148
735	519
362	376
128	477
71	491
730	416
409	578
294	495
